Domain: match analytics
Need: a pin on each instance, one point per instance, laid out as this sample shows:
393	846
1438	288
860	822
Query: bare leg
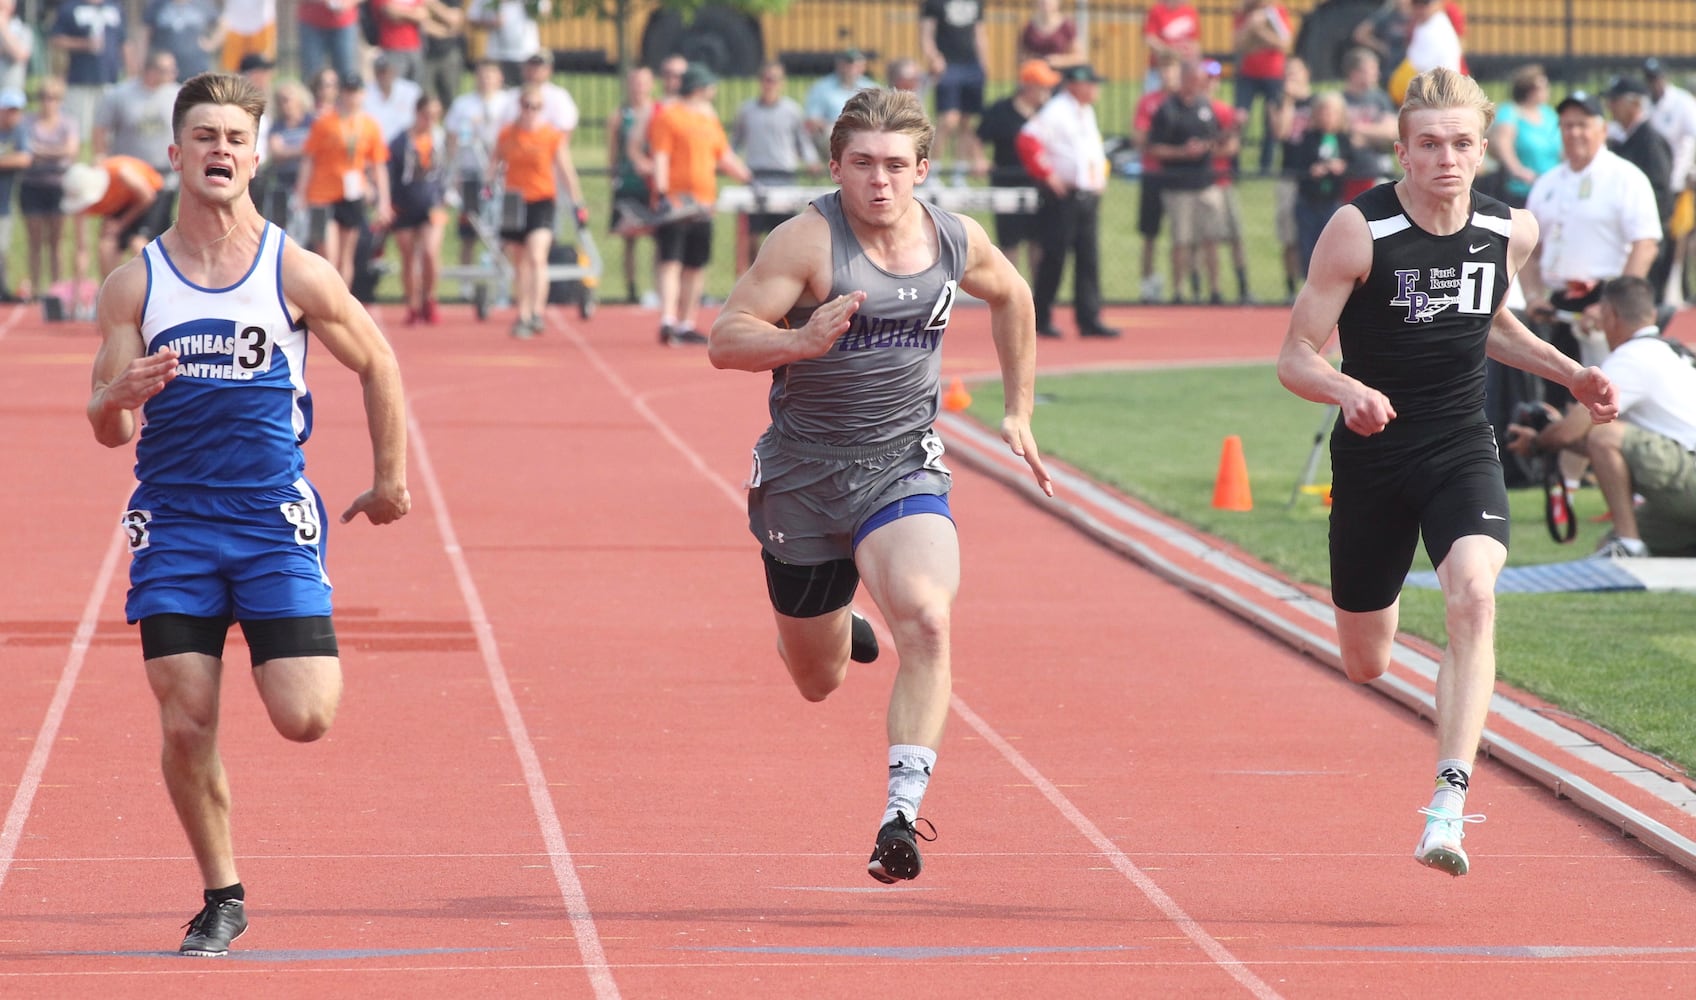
405	243
1466	678
692	281
187	688
911	568
816	652
521	277
668	276
1602	445
536	245
1364	639
301	694
430	258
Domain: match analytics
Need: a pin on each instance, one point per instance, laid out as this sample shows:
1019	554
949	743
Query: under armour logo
776	536
906	293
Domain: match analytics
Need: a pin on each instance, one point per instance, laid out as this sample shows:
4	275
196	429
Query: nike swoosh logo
1474	249
1493	517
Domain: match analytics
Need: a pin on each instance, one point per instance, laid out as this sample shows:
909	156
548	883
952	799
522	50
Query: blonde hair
1440	90
874	110
216	88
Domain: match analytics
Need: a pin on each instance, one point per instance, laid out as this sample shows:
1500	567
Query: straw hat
85	184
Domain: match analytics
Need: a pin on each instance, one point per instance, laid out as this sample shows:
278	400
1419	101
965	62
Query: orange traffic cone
1230	490
956	398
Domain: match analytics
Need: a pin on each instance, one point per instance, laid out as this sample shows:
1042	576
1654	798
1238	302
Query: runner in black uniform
1412	275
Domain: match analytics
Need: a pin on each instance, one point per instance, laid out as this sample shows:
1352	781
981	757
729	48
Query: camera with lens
1531	414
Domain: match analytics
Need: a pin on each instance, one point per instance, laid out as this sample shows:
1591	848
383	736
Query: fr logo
1470	289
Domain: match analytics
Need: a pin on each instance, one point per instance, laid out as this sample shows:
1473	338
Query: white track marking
547	818
13	830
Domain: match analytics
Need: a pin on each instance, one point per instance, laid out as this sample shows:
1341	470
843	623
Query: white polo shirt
1071	141
1590	218
1657	388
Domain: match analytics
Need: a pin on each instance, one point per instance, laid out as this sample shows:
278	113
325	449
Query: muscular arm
1341	260
788	271
125	376
990	276
330	311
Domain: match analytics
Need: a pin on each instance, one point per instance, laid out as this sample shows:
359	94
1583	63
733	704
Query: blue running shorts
227	554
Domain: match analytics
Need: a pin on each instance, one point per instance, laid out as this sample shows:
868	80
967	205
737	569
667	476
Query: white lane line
547	819
1220	955
24	797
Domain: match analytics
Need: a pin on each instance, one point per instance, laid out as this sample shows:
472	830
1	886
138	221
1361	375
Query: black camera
1531	414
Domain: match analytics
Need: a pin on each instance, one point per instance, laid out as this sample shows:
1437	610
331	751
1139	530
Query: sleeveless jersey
238	411
1416	329
881	379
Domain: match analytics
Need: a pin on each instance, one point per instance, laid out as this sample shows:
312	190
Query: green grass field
1620	660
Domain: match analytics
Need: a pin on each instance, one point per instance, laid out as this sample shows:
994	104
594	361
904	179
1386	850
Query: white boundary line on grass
547	818
1198	935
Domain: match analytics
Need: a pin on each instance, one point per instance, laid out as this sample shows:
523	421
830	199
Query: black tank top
1416	329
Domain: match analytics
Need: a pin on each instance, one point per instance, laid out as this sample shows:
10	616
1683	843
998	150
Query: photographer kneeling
1648	451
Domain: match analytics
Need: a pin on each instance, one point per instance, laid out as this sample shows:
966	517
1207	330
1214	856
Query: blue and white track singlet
238	411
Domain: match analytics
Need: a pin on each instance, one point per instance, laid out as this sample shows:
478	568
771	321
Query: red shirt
1175	24
1266	63
317	14
396	34
1142	119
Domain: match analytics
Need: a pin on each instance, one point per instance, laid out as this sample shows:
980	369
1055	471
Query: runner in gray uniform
846	305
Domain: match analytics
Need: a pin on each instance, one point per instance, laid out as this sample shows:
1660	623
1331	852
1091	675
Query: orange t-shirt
529	158
334	147
120	196
695	141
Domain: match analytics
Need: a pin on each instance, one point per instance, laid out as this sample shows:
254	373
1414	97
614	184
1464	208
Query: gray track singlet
881	379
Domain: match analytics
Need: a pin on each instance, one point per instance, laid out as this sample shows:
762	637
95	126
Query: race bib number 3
135	524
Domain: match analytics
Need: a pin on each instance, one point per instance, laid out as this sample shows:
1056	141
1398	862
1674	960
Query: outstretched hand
1016	431
380	506
1597	394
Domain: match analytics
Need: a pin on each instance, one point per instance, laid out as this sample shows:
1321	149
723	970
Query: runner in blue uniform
1412	276
204	337
847	305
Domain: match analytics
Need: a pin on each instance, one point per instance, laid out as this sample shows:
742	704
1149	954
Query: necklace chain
227	233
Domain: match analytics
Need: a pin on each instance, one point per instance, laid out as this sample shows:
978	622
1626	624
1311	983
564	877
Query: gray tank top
881	380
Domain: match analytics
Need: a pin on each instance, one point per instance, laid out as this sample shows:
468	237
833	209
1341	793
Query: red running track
570	765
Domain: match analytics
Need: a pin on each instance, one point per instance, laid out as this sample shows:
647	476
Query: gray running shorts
807	501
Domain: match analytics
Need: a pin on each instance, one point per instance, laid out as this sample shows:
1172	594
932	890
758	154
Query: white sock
909	775
1634	546
1453	777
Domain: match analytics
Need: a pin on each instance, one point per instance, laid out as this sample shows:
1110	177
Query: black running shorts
1445	488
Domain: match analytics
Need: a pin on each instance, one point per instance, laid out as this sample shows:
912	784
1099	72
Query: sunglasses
527	106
